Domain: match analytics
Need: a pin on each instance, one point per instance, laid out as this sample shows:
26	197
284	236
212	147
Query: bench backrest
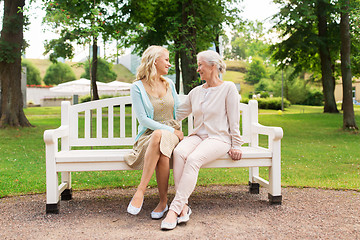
114	122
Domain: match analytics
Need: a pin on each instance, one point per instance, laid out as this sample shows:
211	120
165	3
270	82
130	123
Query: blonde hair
147	69
213	58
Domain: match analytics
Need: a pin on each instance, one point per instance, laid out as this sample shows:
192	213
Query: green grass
315	153
238	77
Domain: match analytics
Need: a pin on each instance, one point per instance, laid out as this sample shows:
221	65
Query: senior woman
215	107
155	101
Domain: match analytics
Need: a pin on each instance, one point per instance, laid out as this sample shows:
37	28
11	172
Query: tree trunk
11	41
348	107
188	51
328	81
93	70
177	71
217	44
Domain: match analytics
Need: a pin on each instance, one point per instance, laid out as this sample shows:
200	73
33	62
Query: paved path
219	212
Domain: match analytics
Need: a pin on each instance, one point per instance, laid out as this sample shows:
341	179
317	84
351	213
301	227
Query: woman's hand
235	154
179	134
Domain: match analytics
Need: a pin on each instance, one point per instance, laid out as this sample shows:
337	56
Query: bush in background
87	98
58	73
269	103
32	73
104	71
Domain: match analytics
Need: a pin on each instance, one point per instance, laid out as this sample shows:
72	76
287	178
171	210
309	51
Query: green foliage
248	41
58	73
273	103
32	73
264	95
86	98
104	71
256	71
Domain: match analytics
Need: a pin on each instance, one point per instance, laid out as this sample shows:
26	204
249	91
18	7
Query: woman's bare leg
151	158
162	178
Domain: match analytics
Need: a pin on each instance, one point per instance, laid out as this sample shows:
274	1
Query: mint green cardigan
144	110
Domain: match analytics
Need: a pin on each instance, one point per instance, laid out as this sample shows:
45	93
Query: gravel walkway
219	212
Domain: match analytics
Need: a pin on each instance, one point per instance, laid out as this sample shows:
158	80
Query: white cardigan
220	115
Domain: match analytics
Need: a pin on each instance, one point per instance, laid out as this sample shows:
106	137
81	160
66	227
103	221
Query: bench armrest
274	133
51	136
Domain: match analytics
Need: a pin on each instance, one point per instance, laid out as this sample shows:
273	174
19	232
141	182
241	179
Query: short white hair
213	58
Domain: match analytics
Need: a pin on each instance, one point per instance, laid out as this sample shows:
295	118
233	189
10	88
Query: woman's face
162	63
204	69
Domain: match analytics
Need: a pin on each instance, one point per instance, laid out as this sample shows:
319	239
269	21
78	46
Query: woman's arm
233	114
184	109
139	107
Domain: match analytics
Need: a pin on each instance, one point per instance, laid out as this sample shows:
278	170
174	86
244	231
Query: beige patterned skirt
167	144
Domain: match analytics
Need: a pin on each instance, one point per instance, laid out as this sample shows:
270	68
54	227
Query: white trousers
188	157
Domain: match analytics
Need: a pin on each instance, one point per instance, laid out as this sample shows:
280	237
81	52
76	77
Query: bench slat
106	155
99	122
111	122
87	124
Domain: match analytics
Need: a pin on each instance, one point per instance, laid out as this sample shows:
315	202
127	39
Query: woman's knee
156	135
179	153
194	162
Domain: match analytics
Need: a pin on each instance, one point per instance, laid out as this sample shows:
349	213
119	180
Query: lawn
315	153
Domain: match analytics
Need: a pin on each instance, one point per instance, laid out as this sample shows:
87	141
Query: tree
104	73
32	73
248	41
348	108
83	22
11	45
58	73
310	33
256	71
186	26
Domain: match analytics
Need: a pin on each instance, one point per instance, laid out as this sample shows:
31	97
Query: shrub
32	73
314	97
87	98
264	95
104	71
58	73
269	103
256	71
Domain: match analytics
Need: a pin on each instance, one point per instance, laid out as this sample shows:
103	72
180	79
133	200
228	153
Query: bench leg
275	176
67	193
275	200
254	188
53	208
52	188
52	193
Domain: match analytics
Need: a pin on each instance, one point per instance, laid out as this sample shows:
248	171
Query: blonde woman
215	107
155	101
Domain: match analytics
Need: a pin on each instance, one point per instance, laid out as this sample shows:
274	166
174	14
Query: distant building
355	91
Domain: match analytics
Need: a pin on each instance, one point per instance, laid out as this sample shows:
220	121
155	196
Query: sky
253	10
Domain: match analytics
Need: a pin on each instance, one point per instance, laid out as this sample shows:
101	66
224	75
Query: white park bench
73	147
